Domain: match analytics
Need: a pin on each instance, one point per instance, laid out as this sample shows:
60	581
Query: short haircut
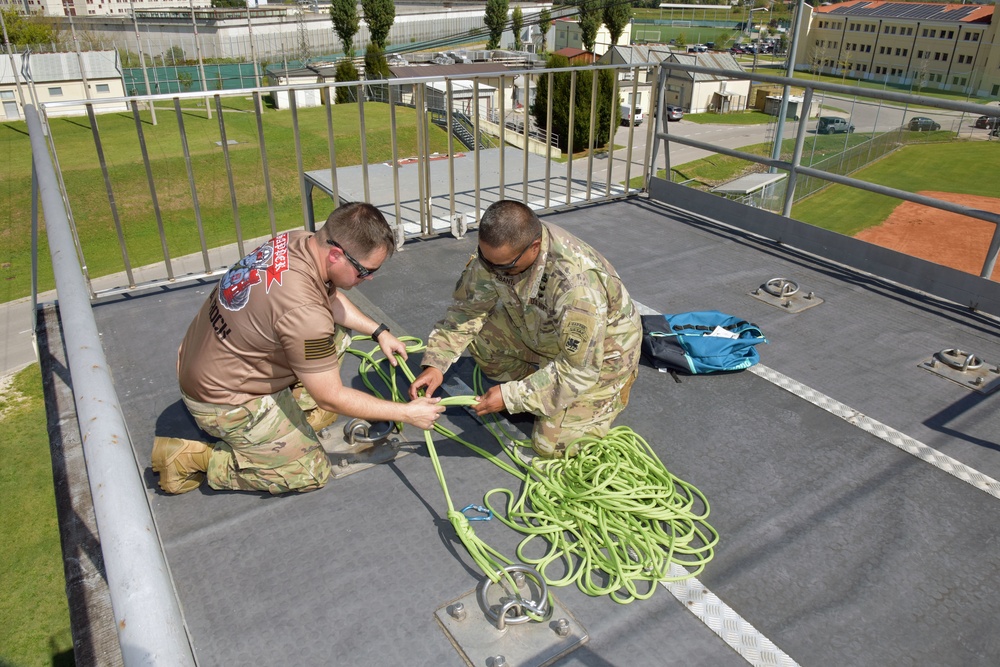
360	228
509	223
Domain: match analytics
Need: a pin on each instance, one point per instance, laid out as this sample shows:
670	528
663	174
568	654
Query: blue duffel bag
699	342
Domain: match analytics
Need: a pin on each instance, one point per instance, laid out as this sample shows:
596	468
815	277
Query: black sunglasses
363	271
497	268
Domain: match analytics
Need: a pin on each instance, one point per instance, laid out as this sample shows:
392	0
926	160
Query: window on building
898	51
920	54
868	48
924	34
905	51
103	88
951	34
55	91
975	37
893	30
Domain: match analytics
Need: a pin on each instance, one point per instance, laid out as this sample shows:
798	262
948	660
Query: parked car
988	122
922	124
833	125
674	112
627	113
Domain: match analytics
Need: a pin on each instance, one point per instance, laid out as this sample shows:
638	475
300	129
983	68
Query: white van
628	114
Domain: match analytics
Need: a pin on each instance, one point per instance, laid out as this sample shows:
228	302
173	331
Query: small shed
757	190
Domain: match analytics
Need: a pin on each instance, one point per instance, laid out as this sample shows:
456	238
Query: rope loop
612	520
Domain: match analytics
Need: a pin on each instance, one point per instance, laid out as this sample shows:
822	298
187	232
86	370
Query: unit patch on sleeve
320	348
578	329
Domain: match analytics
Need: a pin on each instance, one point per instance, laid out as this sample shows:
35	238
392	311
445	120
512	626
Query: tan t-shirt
267	321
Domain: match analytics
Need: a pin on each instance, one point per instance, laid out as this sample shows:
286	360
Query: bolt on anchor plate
476	627
965	368
785	294
364	445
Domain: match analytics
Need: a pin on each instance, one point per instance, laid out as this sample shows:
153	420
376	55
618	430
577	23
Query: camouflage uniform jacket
570	309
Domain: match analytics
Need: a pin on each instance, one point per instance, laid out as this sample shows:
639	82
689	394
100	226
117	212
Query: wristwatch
378	332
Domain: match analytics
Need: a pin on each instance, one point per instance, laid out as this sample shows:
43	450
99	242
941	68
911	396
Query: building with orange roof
924	45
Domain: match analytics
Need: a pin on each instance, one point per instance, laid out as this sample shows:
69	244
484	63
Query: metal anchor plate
526	645
785	294
964	368
354	451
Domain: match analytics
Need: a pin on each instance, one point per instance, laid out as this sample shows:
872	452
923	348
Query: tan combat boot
319	419
180	463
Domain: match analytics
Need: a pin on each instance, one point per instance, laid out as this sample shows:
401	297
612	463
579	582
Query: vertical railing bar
364	143
475	122
111	194
593	133
548	143
631	136
152	188
524	164
332	143
569	138
647	169
263	161
69	209
300	167
229	174
418	93
400	227
34	254
503	139
425	148
660	121
194	189
614	122
800	140
449	102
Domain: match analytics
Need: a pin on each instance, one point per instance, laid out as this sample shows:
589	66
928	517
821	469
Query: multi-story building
924	45
99	7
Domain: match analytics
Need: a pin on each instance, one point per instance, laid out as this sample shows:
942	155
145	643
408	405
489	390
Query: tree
561	83
516	26
344	15
229	3
590	23
544	23
375	65
379	15
26	31
174	56
496	21
617	15
346	71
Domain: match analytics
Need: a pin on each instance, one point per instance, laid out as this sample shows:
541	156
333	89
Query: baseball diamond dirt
938	236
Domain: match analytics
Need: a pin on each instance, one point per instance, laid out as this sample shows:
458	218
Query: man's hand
391	346
490	402
423	412
430	379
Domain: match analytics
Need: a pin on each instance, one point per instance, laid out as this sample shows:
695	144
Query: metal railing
795	168
150	626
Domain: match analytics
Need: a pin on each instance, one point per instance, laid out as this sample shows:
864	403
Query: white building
55	77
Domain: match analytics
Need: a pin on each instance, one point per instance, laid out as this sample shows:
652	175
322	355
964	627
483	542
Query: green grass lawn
85	184
34	613
940	167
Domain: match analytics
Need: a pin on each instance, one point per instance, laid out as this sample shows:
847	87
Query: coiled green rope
613	517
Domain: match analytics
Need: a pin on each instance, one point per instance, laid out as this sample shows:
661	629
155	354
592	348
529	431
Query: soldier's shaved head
509	223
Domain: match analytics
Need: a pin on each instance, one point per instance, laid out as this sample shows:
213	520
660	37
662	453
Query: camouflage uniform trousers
267	444
503	357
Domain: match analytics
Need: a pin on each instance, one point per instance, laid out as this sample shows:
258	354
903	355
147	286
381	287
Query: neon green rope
613	518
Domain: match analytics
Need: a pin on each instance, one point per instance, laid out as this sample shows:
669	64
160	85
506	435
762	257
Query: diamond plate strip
742	637
879	430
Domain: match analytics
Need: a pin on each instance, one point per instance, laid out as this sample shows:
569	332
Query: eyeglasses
363	271
497	268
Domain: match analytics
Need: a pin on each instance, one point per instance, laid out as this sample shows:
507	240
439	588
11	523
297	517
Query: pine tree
496	21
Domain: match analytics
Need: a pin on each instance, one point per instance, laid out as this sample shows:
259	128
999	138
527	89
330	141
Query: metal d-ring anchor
359	431
485	511
959	360
781	287
540	609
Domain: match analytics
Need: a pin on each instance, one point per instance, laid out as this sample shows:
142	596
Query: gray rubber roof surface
837	544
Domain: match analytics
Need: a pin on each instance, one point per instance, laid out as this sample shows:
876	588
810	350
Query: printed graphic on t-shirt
272	258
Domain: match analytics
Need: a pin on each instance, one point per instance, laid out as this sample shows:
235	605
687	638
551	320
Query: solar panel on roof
907	10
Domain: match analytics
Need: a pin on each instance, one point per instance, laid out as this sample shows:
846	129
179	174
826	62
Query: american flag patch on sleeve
319	348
